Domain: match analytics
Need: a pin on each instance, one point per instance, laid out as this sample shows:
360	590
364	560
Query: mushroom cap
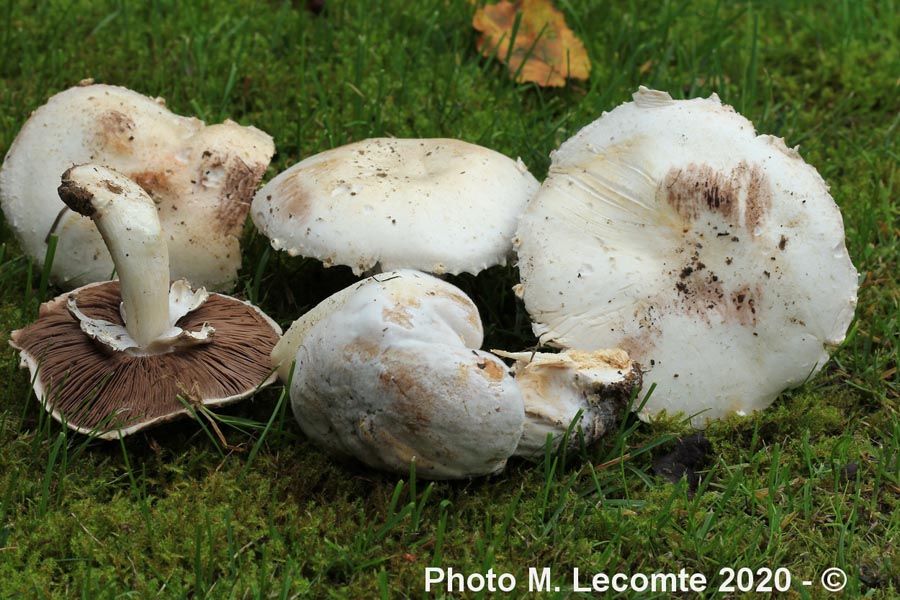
285	350
555	387
111	394
394	375
202	179
435	205
713	256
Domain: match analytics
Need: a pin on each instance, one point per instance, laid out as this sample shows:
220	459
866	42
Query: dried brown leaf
544	50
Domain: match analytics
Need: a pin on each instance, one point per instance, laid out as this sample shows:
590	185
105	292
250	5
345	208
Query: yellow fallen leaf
544	51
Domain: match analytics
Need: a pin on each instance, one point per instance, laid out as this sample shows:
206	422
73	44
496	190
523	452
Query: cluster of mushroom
670	247
390	370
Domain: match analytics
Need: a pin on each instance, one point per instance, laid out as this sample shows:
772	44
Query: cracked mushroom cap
201	177
392	374
714	256
95	390
435	205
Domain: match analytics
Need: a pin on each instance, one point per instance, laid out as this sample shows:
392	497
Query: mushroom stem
127	219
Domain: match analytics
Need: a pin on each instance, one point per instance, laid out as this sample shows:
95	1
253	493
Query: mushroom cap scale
393	375
714	256
201	178
112	394
436	205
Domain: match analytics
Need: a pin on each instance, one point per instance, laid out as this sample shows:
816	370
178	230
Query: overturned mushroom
555	387
391	374
436	205
714	256
201	179
109	359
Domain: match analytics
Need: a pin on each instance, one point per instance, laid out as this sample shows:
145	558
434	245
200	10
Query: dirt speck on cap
155	182
742	306
115	133
620	391
698	188
703	295
487	368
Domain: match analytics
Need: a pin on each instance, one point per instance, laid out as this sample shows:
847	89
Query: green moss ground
811	483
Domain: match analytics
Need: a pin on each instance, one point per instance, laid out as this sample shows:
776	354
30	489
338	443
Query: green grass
811	483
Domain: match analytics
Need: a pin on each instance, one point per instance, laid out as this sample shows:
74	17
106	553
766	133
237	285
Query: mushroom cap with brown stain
393	375
713	255
435	205
110	394
201	177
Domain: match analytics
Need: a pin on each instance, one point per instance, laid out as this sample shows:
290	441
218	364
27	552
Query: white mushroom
714	256
391	374
286	349
112	358
556	387
201	179
436	205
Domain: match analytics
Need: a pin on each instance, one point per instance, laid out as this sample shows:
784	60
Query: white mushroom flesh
436	205
557	387
714	256
394	376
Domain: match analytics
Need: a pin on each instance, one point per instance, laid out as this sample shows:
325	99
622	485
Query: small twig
247	545
611	463
56	222
133	568
85	529
193	398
